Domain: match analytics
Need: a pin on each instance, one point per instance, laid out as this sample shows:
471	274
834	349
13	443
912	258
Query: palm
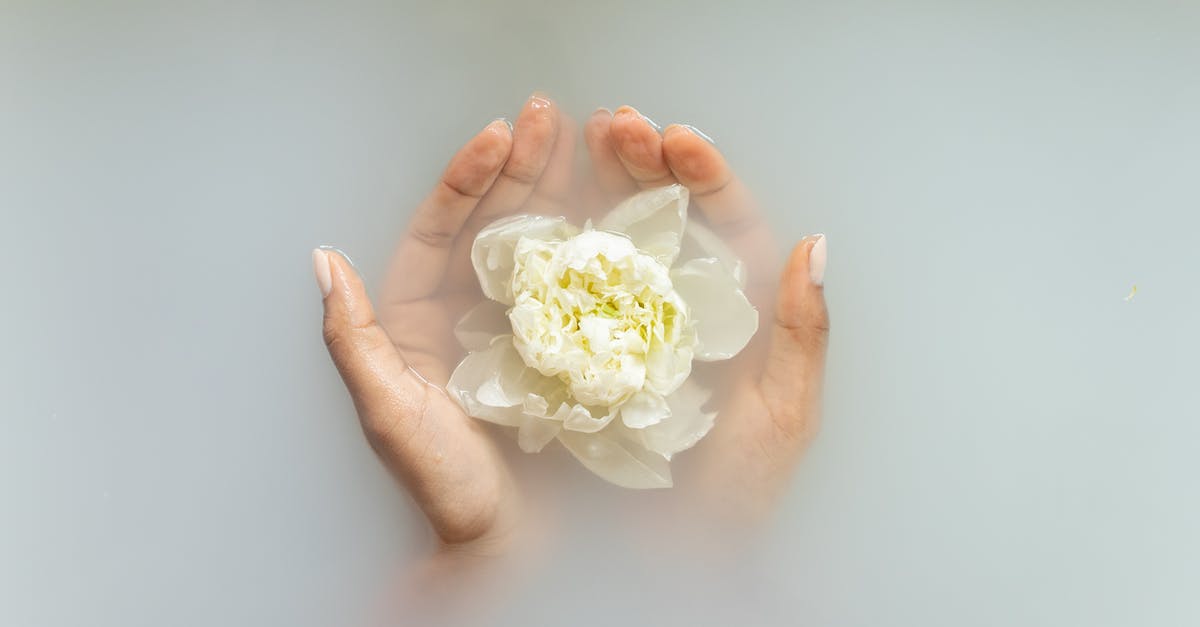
430	285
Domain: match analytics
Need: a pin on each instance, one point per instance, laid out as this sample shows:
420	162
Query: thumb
449	466
795	368
382	386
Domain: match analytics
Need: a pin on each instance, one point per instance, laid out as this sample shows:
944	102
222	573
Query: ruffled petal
492	251
479	326
618	460
699	242
653	219
644	409
687	425
584	420
725	319
493	384
667	367
535	433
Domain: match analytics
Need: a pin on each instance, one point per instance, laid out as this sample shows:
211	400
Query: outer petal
479	326
725	320
492	384
492	251
653	219
699	241
535	433
644	409
687	424
618	460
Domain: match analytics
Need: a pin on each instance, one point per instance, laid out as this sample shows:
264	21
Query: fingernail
604	110
321	268
334	249
702	134
539	100
816	261
650	122
506	123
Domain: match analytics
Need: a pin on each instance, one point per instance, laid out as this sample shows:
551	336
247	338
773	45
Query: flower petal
725	319
492	251
618	460
535	433
653	219
667	367
493	384
687	424
699	241
584	420
644	409
481	324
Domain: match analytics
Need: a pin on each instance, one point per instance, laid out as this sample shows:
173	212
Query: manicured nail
539	100
701	133
604	110
506	123
651	122
321	269
816	261
334	249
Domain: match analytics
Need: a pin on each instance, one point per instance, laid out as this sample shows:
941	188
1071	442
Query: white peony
588	336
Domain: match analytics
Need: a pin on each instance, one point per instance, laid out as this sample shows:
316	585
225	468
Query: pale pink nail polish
699	133
816	261
652	123
321	269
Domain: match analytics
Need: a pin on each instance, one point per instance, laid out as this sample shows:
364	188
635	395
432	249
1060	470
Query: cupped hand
396	362
770	403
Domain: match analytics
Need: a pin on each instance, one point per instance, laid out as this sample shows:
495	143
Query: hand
771	405
396	365
397	376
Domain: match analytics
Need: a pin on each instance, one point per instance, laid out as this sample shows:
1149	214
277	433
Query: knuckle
345	339
820	324
463	190
433	235
812	334
332	334
521	173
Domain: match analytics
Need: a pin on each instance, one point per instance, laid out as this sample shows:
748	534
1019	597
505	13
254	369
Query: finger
414	432
639	147
551	192
534	135
795	366
612	179
724	202
380	382
722	198
419	263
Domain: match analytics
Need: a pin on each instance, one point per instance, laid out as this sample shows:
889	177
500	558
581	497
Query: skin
396	363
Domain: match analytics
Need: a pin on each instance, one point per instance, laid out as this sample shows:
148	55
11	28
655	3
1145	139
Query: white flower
589	336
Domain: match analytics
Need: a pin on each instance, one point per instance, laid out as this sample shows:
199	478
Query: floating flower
588	335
